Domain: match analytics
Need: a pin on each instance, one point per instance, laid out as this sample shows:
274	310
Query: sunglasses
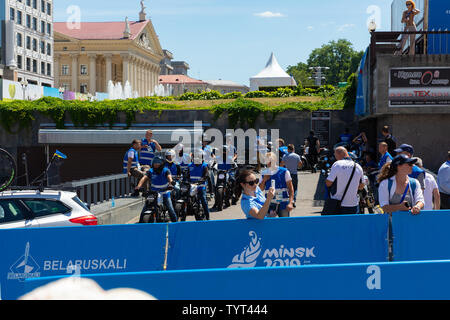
252	183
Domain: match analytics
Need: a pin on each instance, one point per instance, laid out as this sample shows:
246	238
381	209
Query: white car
49	208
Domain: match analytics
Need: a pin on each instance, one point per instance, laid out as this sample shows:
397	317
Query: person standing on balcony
410	26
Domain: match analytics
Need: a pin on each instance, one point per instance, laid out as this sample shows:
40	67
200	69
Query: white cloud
269	14
345	26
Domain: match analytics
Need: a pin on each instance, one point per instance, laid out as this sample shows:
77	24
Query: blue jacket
159	182
173	168
135	162
147	154
281	189
197	172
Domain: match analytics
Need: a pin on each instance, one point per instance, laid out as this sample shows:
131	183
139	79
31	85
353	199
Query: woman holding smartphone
254	204
397	191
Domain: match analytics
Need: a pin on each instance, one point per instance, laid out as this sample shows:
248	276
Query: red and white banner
416	87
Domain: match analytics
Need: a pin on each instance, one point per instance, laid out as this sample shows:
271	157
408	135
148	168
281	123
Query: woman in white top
398	192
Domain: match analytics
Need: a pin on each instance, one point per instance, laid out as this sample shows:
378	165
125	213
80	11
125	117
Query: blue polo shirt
249	202
383	160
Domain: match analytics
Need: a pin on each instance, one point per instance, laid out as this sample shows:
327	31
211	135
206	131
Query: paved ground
309	200
127	210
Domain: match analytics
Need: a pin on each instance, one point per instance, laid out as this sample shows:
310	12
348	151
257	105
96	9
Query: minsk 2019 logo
247	259
276	257
24	268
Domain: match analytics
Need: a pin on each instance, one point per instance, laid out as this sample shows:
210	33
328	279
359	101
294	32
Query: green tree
338	55
301	74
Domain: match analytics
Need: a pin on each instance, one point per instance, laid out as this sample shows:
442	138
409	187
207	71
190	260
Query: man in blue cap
417	173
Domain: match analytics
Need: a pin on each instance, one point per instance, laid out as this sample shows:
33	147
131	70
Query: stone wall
85	161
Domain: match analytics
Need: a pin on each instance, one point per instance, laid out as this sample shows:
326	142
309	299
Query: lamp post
372	26
24	84
318	74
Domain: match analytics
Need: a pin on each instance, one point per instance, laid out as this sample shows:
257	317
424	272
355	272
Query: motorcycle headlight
151	198
184	188
221	176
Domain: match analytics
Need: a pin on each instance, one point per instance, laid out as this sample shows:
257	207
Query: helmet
170	153
158	160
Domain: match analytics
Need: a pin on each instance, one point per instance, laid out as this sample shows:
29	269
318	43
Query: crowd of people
397	178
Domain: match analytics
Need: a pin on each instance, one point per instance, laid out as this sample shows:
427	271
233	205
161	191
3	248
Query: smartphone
273	184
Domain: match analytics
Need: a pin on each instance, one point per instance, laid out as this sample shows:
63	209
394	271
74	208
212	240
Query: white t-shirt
131	155
430	185
342	170
384	197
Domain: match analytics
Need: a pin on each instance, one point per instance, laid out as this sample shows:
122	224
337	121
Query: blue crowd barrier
44	252
278	242
379	281
421	237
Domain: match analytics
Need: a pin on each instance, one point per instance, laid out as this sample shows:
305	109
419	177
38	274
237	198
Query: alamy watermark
250	146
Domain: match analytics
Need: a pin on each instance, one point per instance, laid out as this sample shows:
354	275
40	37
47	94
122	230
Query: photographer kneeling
397	191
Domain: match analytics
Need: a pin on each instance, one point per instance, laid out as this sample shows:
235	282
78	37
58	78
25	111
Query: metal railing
100	189
435	42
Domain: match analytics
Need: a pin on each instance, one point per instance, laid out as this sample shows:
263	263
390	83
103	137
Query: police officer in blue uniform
161	181
149	147
283	202
131	164
175	171
282	148
198	171
182	159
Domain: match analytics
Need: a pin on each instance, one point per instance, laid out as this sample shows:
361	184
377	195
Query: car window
78	201
43	207
10	211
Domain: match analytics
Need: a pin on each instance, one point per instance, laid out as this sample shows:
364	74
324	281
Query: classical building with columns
88	55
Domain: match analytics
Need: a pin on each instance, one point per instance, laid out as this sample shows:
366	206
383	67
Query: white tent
272	76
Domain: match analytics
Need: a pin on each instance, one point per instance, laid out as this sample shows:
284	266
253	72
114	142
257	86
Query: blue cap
402	159
405	147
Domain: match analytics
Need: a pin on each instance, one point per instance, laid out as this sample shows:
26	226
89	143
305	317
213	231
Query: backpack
412	182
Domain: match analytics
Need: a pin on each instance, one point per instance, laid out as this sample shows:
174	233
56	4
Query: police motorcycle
326	160
209	158
190	196
189	203
155	209
176	172
225	184
302	152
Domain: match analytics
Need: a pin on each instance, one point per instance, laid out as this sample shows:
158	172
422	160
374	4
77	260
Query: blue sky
233	39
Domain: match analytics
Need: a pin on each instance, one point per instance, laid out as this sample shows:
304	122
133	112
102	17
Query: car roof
49	194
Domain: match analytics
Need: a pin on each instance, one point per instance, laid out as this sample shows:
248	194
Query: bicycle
8	169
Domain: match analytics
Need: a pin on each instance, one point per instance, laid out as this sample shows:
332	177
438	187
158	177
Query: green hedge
20	114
